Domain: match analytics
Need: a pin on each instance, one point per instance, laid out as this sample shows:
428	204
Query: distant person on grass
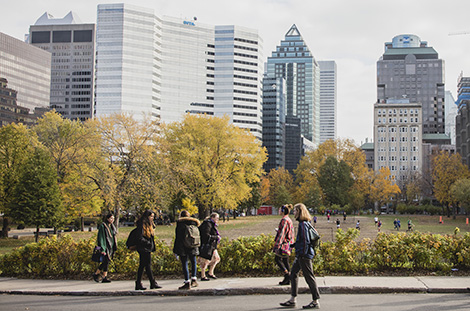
145	246
284	238
210	238
184	252
304	254
107	241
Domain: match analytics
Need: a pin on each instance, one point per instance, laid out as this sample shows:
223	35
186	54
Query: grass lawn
256	225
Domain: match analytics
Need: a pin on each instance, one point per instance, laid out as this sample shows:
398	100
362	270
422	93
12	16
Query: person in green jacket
108	243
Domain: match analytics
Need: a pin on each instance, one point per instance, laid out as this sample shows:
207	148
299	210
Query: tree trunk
6	224
37	234
82	223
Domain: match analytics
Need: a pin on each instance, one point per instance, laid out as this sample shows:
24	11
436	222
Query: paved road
373	302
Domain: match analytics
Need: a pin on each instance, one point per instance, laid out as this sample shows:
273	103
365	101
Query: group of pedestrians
207	233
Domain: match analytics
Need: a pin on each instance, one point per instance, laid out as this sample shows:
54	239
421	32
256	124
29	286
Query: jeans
184	263
306	265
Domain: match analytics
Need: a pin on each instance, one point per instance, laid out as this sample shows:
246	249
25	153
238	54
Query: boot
154	285
185	286
139	286
286	280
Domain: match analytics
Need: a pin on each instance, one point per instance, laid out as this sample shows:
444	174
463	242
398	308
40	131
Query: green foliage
418	209
402	252
335	180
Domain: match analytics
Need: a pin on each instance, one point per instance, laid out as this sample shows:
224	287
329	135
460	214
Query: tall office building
239	77
294	62
128	62
328	100
72	45
409	68
451	111
462	120
28	71
274	122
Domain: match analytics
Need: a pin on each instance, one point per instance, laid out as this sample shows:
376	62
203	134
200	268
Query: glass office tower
293	61
328	100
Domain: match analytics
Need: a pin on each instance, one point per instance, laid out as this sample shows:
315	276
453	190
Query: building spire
293	31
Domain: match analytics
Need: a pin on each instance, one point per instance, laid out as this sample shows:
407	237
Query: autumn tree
335	180
281	187
130	177
16	145
74	149
37	199
214	161
446	170
382	187
460	192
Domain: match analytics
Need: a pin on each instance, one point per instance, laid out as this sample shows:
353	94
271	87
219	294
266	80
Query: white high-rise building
128	62
328	100
72	45
239	77
451	111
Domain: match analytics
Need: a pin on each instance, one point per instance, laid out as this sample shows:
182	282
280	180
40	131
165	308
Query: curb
245	291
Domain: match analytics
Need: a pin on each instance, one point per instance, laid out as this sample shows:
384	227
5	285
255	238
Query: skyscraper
328	100
28	71
409	68
128	62
72	45
294	62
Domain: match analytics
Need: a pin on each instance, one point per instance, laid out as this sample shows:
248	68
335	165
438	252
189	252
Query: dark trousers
184	263
144	263
283	263
306	265
104	264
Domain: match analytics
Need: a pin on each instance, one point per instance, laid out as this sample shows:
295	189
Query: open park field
257	225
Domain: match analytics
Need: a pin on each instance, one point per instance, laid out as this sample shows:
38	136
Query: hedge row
388	253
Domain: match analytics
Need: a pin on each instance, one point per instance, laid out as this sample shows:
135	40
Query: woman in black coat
145	246
186	253
209	237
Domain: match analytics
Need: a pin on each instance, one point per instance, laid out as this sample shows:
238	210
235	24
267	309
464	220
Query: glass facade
294	62
328	100
28	71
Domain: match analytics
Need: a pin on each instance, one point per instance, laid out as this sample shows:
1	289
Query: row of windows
401	129
393	139
402	168
245	114
394	158
394	120
401	111
61	36
394	149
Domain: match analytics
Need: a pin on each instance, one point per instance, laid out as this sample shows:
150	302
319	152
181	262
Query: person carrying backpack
186	246
304	253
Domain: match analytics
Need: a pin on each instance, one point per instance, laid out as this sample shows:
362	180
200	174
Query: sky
350	32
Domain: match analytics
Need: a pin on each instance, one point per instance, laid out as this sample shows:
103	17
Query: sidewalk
240	286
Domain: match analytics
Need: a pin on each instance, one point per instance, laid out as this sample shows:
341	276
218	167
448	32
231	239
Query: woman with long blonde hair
145	246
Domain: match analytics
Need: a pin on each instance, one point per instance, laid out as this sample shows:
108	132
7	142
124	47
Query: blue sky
350	32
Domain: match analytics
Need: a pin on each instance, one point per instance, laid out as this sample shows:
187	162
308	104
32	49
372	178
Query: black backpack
192	238
131	242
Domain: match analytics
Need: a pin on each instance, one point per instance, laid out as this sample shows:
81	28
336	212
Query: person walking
210	237
379	225
107	241
358	225
145	246
284	238
337	223
184	252
304	254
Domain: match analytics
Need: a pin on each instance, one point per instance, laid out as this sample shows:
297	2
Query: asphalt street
366	302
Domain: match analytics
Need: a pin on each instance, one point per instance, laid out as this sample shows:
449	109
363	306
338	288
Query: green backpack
313	235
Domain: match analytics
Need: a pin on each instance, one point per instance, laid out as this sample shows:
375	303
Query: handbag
97	256
205	251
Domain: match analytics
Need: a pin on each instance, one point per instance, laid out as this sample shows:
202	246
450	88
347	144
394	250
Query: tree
460	191
16	144
214	162
37	199
74	150
382	188
129	176
281	187
446	170
335	180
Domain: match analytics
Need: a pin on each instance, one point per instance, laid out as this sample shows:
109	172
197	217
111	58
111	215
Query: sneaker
185	286
105	280
96	277
193	283
312	305
288	303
